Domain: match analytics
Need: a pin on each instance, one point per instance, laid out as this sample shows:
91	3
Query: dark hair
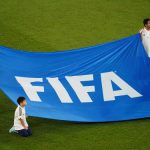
145	21
20	100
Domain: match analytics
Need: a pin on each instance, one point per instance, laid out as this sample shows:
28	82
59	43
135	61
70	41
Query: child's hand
25	127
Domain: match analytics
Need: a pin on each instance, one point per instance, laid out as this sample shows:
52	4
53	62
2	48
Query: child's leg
29	131
23	132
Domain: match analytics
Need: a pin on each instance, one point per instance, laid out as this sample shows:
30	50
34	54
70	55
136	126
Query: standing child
145	35
20	123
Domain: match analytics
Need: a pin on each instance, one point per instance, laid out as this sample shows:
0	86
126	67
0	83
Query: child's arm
141	33
22	123
21	119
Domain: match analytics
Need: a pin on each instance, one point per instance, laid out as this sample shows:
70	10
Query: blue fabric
126	58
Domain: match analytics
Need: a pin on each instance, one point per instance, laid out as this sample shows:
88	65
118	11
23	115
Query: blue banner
107	82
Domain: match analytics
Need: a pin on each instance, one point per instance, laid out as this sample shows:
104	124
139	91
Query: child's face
24	103
148	24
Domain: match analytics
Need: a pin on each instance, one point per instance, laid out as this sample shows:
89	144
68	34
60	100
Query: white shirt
145	34
20	113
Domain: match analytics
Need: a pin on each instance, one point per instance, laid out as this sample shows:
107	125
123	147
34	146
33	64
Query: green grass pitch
53	25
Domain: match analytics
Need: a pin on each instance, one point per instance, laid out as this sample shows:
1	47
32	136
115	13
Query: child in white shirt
20	123
145	35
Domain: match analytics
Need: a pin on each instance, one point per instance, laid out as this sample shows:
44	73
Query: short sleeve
20	114
141	31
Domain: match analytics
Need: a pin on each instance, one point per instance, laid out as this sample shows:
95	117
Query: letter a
108	92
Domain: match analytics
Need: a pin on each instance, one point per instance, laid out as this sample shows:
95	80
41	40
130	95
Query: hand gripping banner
107	82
